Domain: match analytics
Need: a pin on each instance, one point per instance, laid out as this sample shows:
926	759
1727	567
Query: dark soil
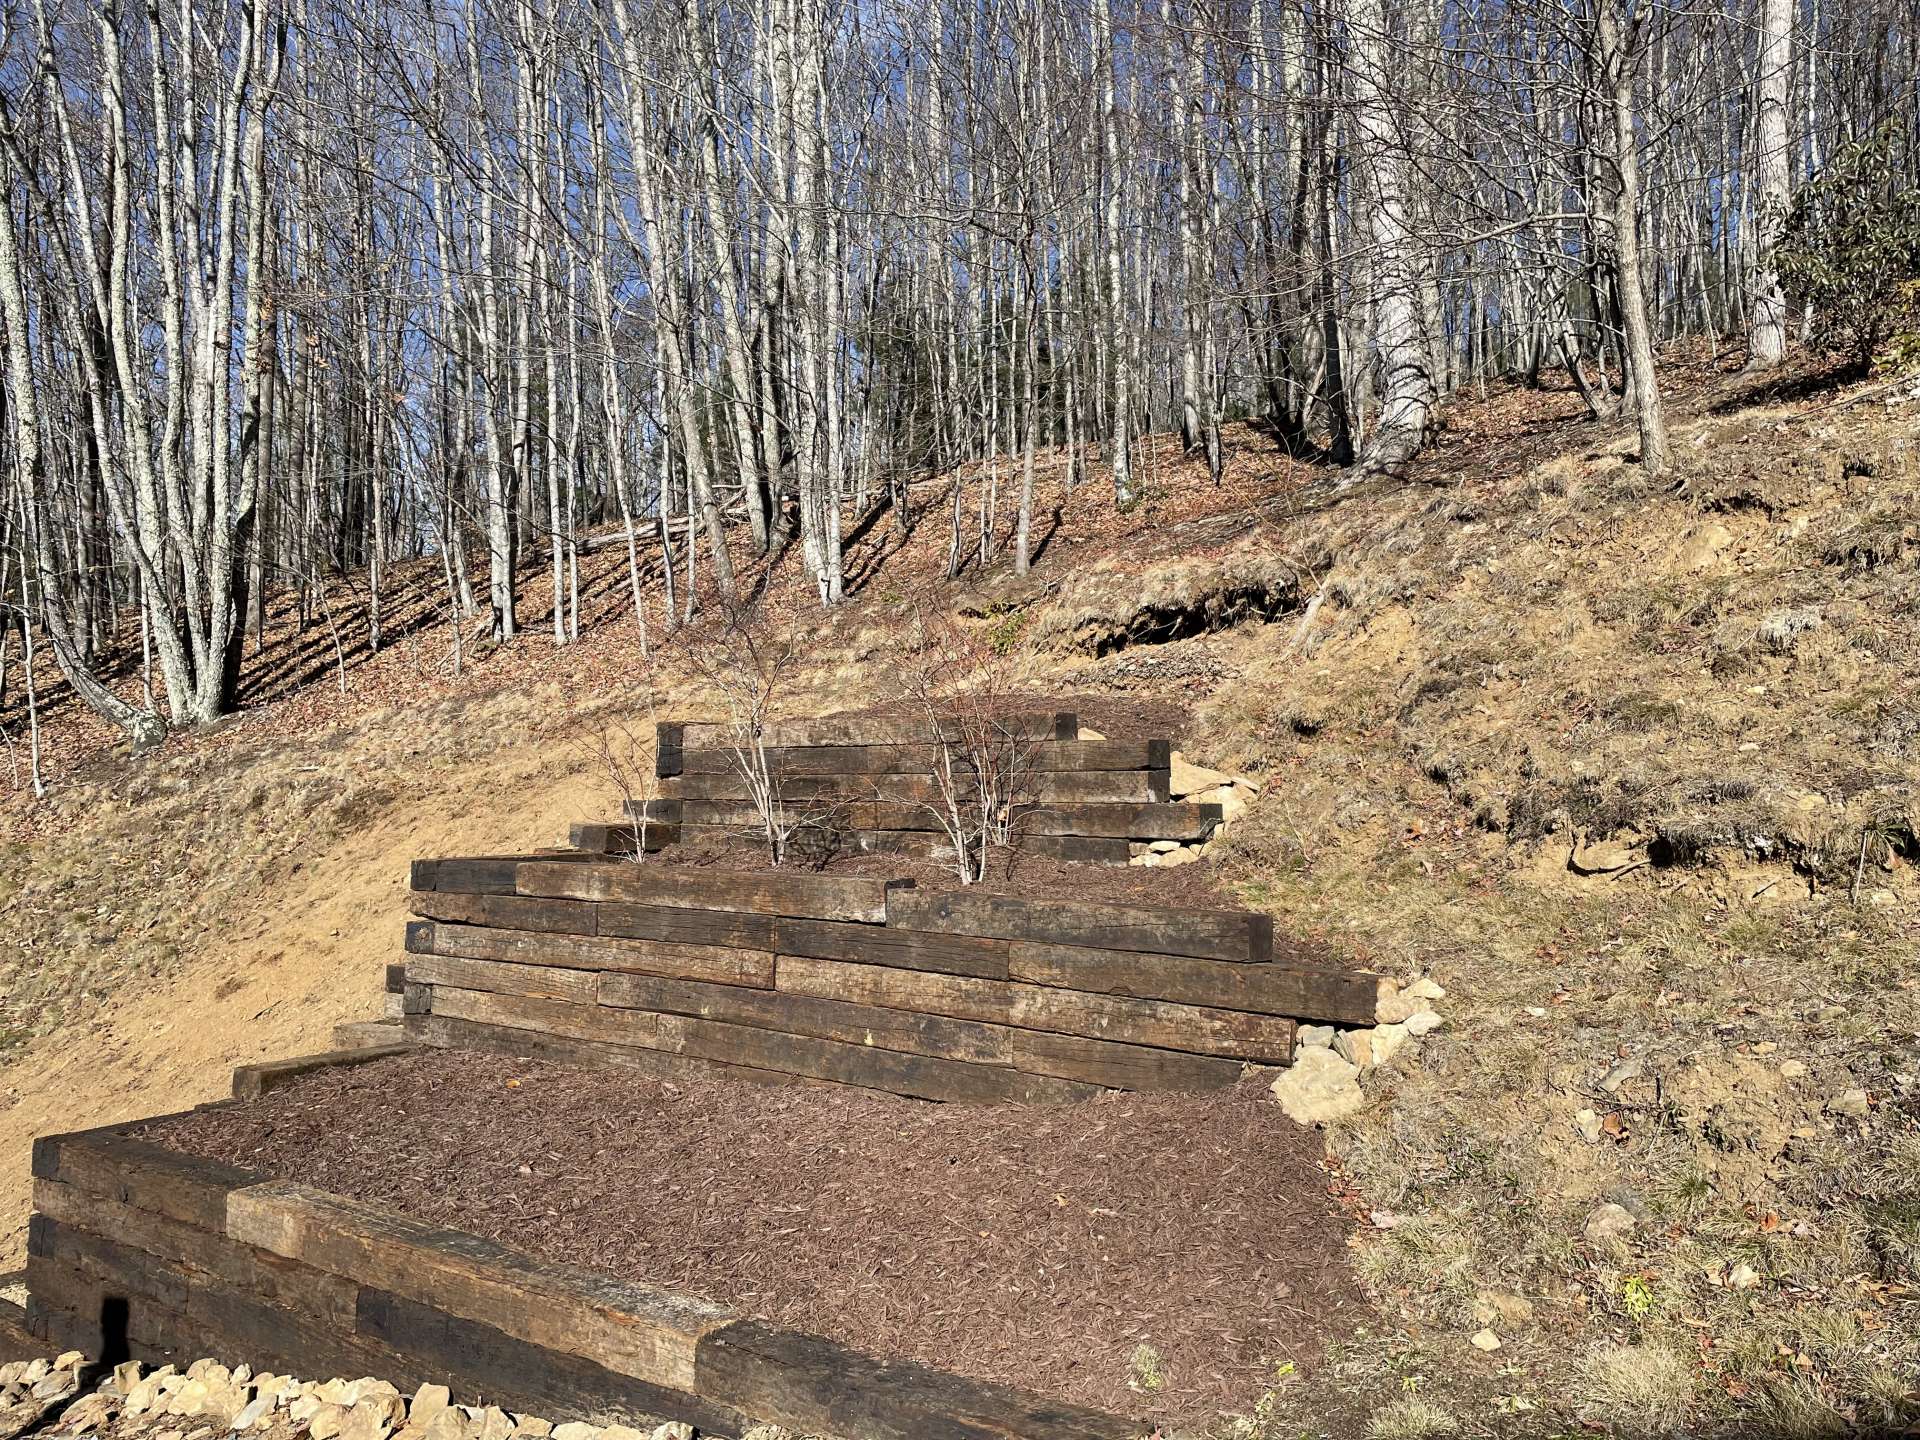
1035	1245
1035	877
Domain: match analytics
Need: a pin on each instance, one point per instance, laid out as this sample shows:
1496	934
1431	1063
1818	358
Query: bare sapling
744	661
626	757
980	748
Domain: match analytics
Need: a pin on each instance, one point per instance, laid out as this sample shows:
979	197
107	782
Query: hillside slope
1629	772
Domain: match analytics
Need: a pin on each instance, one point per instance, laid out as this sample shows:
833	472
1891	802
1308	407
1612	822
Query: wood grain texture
883	945
542	982
606	1025
724	964
1076	756
480	875
505	912
250	1082
1047	786
150	1177
240	1266
1237	935
841	730
763	892
677	925
631	1329
817	1386
864	1025
478	1360
1159	1024
1344	997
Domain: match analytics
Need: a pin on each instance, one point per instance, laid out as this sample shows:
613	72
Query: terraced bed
1037	1246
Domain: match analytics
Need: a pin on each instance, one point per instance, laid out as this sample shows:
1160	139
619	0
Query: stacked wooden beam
781	977
136	1251
867	784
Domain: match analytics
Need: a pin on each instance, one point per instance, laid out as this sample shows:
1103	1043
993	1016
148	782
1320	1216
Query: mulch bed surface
1034	1245
1032	877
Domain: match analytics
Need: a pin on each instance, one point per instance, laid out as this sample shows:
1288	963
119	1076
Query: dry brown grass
1542	656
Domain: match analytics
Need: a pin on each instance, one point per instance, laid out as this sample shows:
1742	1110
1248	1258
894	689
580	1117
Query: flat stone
448	1424
1851	1103
1355	1047
1314	1037
329	1420
191	1398
1319	1087
1186	779
1163	847
1367	1048
126	1375
57	1386
673	1430
256	1410
576	1430
1398	1009
1424	1023
1609	1223
1587	1122
1793	1069
428	1401
1502	1307
1426	988
1389	1041
1485	1340
69	1360
532	1427
495	1424
1621	1071
1182	856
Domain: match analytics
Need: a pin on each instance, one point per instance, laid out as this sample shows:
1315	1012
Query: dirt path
284	970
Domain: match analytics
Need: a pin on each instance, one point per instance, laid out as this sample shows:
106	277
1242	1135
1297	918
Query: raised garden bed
870	783
969	995
1035	1247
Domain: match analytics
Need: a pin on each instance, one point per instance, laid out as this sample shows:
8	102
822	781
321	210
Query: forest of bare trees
299	287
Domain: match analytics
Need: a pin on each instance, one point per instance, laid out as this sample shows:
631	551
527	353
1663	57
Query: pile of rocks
208	1400
30	1390
1197	785
1323	1083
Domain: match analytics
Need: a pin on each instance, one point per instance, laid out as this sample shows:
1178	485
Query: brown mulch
1034	1245
1198	885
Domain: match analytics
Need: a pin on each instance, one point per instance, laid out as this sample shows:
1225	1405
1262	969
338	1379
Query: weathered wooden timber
824	792
1242	935
851	730
834	760
1182	821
